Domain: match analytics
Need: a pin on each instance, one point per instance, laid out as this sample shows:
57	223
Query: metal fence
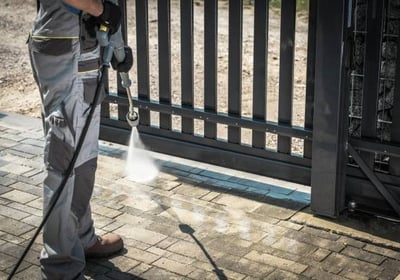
220	129
217	81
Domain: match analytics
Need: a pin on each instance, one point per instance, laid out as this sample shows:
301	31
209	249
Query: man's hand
125	65
110	17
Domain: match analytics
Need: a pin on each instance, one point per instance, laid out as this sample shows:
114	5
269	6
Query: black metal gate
241	133
367	134
198	133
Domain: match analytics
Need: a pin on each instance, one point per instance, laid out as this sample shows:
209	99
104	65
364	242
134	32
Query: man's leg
63	255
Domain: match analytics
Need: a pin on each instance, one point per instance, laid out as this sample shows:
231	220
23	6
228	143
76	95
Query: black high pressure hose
68	172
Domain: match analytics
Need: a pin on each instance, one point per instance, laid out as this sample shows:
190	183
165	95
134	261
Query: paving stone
32	272
32	257
158	251
32	173
164	244
105	211
186	248
273	234
362	255
336	263
294	247
25	208
278	211
391	265
34	180
101	221
353	276
165	185
284	275
315	240
140	269
32	220
19	196
382	251
321	233
350	241
37	203
173	266
9	238
290	225
244	266
7	143
199	274
119	275
28	188
141	234
4	189
11	212
236	202
12	135
6	261
95	267
276	262
21	154
388	274
313	272
123	263
229	244
180	258
158	273
141	255
192	191
13	227
15	168
132	220
210	196
320	254
136	244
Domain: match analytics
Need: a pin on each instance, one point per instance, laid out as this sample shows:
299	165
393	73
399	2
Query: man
65	61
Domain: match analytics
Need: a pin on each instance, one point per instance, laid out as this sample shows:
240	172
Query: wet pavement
194	221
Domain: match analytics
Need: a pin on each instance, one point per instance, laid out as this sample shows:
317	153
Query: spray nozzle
132	117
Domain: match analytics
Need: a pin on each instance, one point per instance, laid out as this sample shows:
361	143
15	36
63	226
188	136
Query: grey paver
363	255
252	237
19	196
281	263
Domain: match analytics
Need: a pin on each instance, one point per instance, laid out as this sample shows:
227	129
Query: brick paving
193	222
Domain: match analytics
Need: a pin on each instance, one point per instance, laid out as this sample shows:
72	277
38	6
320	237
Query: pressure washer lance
116	46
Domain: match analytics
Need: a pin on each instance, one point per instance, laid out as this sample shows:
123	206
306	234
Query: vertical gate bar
187	61
394	162
164	55
286	69
210	63
105	106
372	69
261	13
235	66
310	80
328	172
142	47
122	110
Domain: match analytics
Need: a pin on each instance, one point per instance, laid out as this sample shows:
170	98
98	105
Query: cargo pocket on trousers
50	46
89	91
59	154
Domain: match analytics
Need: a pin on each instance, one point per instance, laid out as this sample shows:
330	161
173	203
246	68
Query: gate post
330	109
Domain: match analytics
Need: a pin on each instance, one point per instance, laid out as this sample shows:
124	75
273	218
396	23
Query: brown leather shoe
105	246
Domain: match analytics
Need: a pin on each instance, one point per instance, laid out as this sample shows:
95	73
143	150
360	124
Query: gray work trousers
67	80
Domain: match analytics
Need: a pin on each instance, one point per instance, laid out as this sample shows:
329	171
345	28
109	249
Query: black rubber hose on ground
68	172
